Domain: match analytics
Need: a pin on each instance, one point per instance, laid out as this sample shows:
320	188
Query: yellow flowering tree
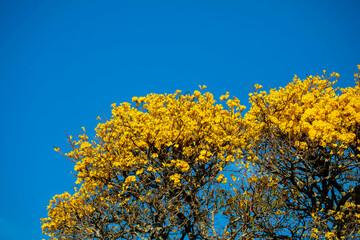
155	170
181	166
307	137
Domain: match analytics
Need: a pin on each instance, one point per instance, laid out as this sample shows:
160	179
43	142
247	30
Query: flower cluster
182	139
166	165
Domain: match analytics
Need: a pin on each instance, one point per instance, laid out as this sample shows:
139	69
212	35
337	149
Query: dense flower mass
159	150
181	166
308	136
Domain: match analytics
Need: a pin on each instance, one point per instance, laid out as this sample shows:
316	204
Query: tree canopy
181	166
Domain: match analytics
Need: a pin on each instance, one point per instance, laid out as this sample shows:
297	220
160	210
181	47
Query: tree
180	166
153	171
307	136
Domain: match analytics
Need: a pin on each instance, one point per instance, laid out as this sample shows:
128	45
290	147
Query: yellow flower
220	177
329	235
183	166
176	179
197	93
130	179
224	97
138	172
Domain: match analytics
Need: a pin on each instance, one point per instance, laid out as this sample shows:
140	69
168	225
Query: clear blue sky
62	63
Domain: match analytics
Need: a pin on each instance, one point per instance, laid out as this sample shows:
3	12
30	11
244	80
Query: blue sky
62	63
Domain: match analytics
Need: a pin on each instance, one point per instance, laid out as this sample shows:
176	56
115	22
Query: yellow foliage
161	151
163	138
